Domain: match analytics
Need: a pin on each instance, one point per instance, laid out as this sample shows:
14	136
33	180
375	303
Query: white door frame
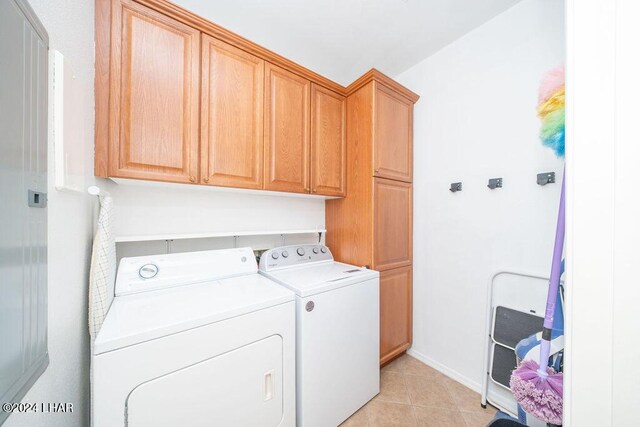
602	369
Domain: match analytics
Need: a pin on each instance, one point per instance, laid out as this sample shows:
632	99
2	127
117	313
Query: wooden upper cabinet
286	131
154	83
393	140
231	116
396	301
392	224
328	142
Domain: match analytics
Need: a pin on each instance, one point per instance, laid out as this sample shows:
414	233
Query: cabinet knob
192	178
206	179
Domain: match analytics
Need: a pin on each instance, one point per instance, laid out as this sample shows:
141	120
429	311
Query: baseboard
454	375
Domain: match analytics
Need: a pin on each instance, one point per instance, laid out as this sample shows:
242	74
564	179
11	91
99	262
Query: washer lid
319	277
140	317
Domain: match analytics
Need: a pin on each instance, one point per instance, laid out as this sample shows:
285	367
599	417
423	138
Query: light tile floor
413	394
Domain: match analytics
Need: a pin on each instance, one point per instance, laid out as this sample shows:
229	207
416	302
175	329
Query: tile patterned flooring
414	394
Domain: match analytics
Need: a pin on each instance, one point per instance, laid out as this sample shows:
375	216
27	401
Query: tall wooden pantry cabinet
373	224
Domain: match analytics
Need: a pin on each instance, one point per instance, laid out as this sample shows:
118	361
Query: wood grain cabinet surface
396	302
393	145
155	67
373	224
286	131
328	142
231	135
392	224
180	99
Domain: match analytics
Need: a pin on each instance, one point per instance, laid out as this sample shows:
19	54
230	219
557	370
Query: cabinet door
392	224
231	116
286	131
328	142
154	96
393	140
396	323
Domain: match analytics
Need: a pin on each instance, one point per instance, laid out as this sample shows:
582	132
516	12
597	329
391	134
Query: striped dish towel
103	266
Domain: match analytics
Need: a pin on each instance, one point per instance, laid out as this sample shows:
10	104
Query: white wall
70	27
476	119
170	209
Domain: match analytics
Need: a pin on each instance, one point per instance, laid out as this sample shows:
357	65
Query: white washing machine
195	339
337	331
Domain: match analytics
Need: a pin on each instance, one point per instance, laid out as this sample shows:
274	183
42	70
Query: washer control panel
288	256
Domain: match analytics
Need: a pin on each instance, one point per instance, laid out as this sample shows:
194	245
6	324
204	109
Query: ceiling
341	39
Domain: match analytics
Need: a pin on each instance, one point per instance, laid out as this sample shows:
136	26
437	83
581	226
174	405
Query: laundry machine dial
148	271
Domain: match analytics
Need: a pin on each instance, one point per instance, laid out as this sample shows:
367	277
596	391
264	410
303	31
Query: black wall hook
495	183
546	178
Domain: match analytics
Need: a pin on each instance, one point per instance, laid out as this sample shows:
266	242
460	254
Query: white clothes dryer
195	339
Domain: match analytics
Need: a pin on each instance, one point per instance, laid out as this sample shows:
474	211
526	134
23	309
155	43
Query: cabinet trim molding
375	75
214	30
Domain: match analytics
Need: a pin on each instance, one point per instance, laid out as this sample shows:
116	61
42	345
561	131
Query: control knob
148	271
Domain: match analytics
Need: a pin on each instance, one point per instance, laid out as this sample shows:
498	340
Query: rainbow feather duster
551	110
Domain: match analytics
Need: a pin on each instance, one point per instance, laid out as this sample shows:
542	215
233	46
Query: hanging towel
103	266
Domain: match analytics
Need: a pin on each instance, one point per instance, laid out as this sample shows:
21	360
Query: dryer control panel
289	256
153	272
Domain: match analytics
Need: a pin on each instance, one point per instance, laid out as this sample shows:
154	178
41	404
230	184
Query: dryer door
241	387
